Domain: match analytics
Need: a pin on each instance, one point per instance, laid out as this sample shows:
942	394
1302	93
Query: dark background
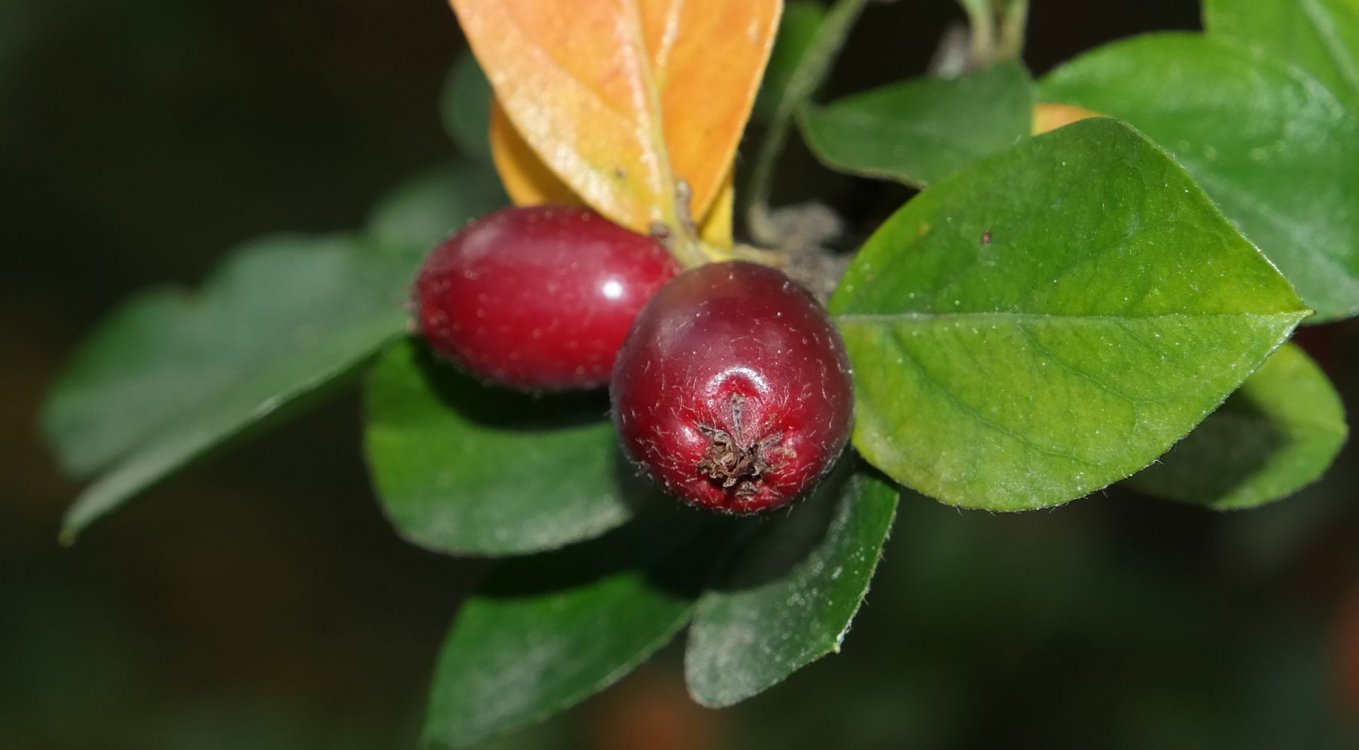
261	601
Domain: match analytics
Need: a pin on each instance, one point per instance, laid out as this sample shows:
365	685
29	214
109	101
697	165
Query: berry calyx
733	390
538	298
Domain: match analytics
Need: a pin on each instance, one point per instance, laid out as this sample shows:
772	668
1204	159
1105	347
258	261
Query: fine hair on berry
733	390
538	298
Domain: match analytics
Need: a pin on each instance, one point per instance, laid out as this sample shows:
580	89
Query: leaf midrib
1018	317
979	417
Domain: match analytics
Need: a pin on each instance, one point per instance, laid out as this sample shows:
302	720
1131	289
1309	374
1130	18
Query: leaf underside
544	632
1274	436
622	101
788	596
170	377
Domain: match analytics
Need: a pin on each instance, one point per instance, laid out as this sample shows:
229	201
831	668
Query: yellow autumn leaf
623	99
528	181
1048	117
715	227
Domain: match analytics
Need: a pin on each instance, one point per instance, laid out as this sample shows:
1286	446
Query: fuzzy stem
981	17
1012	26
803	82
997	30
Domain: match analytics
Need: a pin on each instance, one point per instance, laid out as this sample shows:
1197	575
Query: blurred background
262	601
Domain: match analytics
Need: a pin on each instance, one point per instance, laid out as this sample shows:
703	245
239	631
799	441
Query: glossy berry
540	297
733	390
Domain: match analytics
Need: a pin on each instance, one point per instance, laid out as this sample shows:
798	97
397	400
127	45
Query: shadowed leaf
1274	436
787	597
919	131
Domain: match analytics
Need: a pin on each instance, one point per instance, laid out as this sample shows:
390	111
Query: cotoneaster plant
733	392
1094	286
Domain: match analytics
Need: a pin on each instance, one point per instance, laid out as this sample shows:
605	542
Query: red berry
540	297
733	390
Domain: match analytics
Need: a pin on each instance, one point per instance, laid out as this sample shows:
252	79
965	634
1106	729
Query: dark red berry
540	297
733	390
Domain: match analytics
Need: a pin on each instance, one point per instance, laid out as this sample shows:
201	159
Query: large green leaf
468	469
171	376
1276	435
919	131
788	596
1320	36
547	631
1051	320
1272	146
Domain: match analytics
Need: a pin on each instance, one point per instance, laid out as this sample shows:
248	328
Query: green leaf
1051	320
1276	435
1320	36
426	209
462	468
545	632
1268	143
798	27
170	377
465	108
919	131
788	596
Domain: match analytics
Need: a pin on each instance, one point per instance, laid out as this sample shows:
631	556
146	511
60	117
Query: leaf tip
68	534
74	522
711	701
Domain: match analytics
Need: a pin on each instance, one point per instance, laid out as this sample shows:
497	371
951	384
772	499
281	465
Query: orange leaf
1052	116
715	228
621	99
528	181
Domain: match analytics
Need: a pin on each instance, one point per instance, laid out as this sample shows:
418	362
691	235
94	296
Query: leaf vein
955	399
1334	45
1059	361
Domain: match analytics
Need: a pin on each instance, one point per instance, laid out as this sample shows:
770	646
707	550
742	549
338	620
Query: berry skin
538	298
733	390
